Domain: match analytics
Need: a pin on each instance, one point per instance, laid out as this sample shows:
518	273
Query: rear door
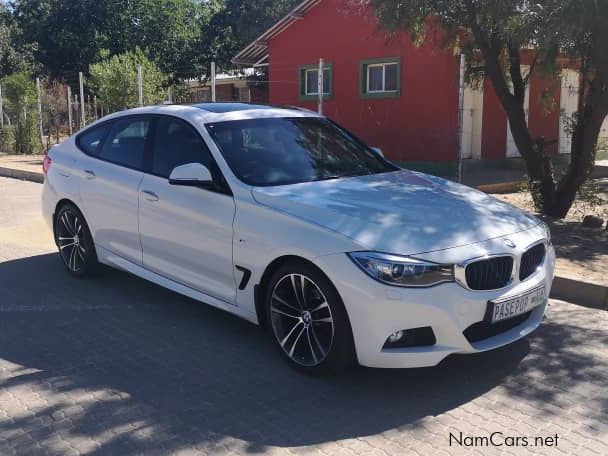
186	232
110	177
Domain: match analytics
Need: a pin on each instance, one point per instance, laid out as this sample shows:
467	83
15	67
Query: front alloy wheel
301	320
308	319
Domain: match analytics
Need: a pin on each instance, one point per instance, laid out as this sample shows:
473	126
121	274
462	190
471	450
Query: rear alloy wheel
308	320
74	241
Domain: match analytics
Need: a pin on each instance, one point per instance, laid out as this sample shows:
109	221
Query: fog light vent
416	337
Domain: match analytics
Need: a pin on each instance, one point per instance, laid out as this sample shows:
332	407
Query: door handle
90	175
150	195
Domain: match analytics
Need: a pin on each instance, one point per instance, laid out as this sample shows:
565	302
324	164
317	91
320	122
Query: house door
569	105
512	150
471	122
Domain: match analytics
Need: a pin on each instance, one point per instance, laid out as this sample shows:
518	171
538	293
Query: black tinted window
126	142
90	141
177	143
279	151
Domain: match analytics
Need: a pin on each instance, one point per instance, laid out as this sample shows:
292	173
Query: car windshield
281	151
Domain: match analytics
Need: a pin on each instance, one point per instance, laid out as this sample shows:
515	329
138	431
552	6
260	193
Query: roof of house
256	53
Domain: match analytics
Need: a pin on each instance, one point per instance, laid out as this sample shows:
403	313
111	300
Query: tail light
46	164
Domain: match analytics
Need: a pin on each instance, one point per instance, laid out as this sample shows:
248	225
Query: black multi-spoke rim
70	234
301	320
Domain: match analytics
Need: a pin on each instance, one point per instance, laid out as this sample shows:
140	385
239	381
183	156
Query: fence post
170	94
83	121
70	110
1	109
320	87
42	142
77	120
140	88
95	106
213	82
461	114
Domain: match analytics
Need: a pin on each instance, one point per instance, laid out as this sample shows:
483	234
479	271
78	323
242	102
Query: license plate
512	307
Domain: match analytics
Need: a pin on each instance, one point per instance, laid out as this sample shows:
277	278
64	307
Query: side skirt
115	261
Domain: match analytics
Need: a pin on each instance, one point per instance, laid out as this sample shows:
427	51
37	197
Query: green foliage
70	35
233	24
19	92
7	139
15	56
114	81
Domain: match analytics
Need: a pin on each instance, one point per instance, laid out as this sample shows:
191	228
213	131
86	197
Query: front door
185	232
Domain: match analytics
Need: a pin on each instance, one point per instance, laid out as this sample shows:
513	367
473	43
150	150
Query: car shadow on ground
139	369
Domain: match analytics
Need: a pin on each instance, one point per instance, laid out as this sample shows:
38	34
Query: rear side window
126	142
91	140
176	143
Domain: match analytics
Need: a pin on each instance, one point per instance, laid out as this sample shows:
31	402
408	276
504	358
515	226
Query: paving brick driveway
118	366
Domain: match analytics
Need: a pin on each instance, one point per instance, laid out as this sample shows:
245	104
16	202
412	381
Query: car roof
218	112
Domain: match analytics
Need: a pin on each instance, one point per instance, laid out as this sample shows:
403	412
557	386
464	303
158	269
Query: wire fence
38	113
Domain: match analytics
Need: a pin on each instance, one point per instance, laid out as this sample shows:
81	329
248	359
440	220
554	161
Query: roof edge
257	50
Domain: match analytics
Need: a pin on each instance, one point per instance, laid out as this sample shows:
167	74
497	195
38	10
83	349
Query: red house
394	95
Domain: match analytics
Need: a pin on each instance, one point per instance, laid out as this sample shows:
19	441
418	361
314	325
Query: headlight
402	271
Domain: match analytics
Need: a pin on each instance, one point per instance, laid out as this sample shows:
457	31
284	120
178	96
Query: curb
21	174
581	293
503	187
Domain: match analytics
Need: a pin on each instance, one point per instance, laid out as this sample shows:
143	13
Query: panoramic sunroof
229	107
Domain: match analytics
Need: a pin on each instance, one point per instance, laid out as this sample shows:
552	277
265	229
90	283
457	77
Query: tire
309	322
74	241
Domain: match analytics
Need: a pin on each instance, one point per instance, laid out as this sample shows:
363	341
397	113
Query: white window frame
316	86
383	65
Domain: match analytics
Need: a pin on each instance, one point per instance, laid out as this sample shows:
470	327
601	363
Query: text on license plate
517	305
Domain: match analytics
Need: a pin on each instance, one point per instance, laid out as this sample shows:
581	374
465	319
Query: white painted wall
472	122
568	106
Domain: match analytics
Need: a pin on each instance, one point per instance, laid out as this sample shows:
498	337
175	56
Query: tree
114	81
492	34
15	56
66	33
54	106
19	92
72	34
168	31
235	23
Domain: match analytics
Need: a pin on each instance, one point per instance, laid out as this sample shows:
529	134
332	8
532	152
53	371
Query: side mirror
192	175
378	151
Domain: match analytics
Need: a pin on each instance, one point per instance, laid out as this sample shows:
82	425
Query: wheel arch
62	202
274	265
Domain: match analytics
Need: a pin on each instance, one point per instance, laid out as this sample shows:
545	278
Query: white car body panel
191	240
186	246
110	202
413	220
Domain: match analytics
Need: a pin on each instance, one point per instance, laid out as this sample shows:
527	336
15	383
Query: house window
380	78
309	83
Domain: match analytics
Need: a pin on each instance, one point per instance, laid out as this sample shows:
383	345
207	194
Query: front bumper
376	310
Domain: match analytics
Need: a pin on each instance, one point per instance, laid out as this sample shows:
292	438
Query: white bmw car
283	218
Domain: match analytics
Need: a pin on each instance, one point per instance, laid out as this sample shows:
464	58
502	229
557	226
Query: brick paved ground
119	366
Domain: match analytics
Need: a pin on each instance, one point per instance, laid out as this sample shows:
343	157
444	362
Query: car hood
402	212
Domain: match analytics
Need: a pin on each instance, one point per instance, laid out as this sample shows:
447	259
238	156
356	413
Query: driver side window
176	143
